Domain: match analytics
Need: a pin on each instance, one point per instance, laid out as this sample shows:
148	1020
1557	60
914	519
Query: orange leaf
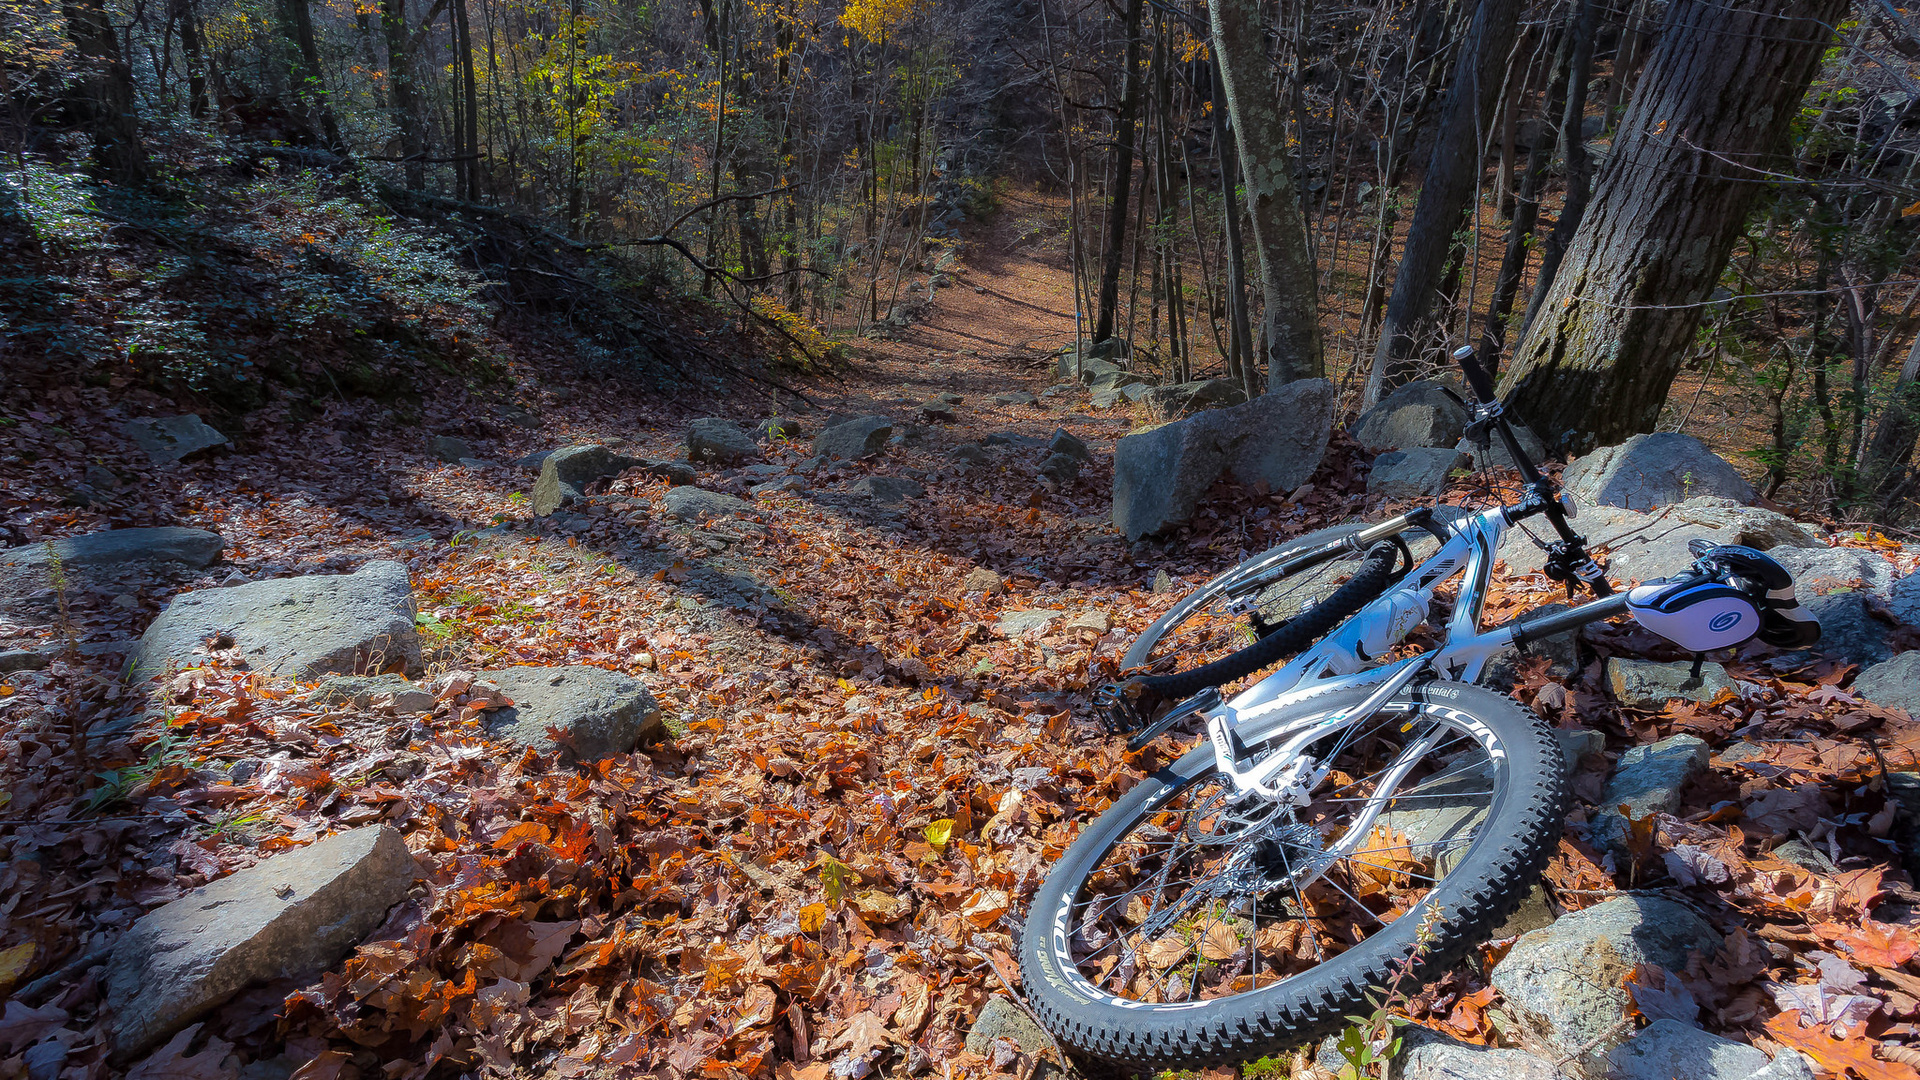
522	833
1873	943
1852	1056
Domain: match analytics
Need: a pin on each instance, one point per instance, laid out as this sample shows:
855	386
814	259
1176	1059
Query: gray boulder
982	580
968	453
1646	780
1565	984
1018	397
1414	473
1893	684
855	438
1838	586
565	474
1644	684
1751	526
13	660
1671	1050
599	712
306	627
719	442
449	449
673	472
291	916
1417	414
1059	470
1180	399
1275	440
936	410
888	489
697	504
167	439
1649	471
360	691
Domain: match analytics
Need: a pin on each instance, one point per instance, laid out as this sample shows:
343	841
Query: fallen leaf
171	1062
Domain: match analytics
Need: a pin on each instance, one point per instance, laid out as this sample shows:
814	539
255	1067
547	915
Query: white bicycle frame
1279	711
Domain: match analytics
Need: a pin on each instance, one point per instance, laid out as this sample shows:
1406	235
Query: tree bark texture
406	117
1122	187
101	96
1715	103
1453	174
309	80
1291	327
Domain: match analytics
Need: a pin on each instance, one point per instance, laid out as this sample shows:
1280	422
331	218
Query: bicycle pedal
1117	712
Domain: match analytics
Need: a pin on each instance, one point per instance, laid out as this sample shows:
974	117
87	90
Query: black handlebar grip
1477	377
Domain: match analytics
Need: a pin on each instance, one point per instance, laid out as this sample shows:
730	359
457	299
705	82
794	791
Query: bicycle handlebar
1477	376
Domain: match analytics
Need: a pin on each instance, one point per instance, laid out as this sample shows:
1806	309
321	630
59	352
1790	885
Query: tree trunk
1573	151
393	21
101	97
467	141
1291	328
1121	190
311	86
1526	211
1453	172
1885	467
1718	96
1240	366
196	64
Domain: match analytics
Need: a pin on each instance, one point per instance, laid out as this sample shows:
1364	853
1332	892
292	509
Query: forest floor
821	871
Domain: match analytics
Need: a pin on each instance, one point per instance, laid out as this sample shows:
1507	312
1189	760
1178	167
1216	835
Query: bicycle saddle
1732	594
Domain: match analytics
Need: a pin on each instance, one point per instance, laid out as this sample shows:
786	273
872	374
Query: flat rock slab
1643	684
1670	1050
1426	1054
1180	399
1893	684
1641	547
1275	440
1417	414
26	572
291	916
1654	470
362	691
1566	983
1646	780
602	712
167	439
1015	623
698	504
1002	1019
322	624
1018	397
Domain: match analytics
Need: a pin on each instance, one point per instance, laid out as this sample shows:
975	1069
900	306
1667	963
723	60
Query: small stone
854	438
1014	624
778	427
168	439
361	691
1002	1019
982	580
291	916
937	410
1565	983
1059	471
522	417
888	489
1180	399
1647	780
1066	442
1577	743
968	453
784	486
599	713
949	397
533	461
565	474
698	504
1096	621
1162	582
1671	1050
1018	397
719	442
1893	684
449	449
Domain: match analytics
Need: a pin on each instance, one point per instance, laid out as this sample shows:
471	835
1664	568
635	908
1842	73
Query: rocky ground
734	747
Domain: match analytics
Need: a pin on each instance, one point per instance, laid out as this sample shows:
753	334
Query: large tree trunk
311	84
101	97
1885	469
1453	173
1122	187
196	64
1715	102
1573	152
1291	329
406	115
468	140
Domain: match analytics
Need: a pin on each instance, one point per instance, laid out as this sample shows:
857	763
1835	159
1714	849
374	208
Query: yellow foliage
801	343
875	19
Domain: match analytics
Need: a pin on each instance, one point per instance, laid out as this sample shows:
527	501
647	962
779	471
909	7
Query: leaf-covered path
821	871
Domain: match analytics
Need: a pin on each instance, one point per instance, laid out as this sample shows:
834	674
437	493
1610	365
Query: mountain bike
1363	810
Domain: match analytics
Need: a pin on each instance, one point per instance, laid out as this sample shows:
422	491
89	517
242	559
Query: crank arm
1198	703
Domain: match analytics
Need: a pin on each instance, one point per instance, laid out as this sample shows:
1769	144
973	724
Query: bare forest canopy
1649	215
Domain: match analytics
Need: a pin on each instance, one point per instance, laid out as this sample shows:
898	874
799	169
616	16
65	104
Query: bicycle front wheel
1193	925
